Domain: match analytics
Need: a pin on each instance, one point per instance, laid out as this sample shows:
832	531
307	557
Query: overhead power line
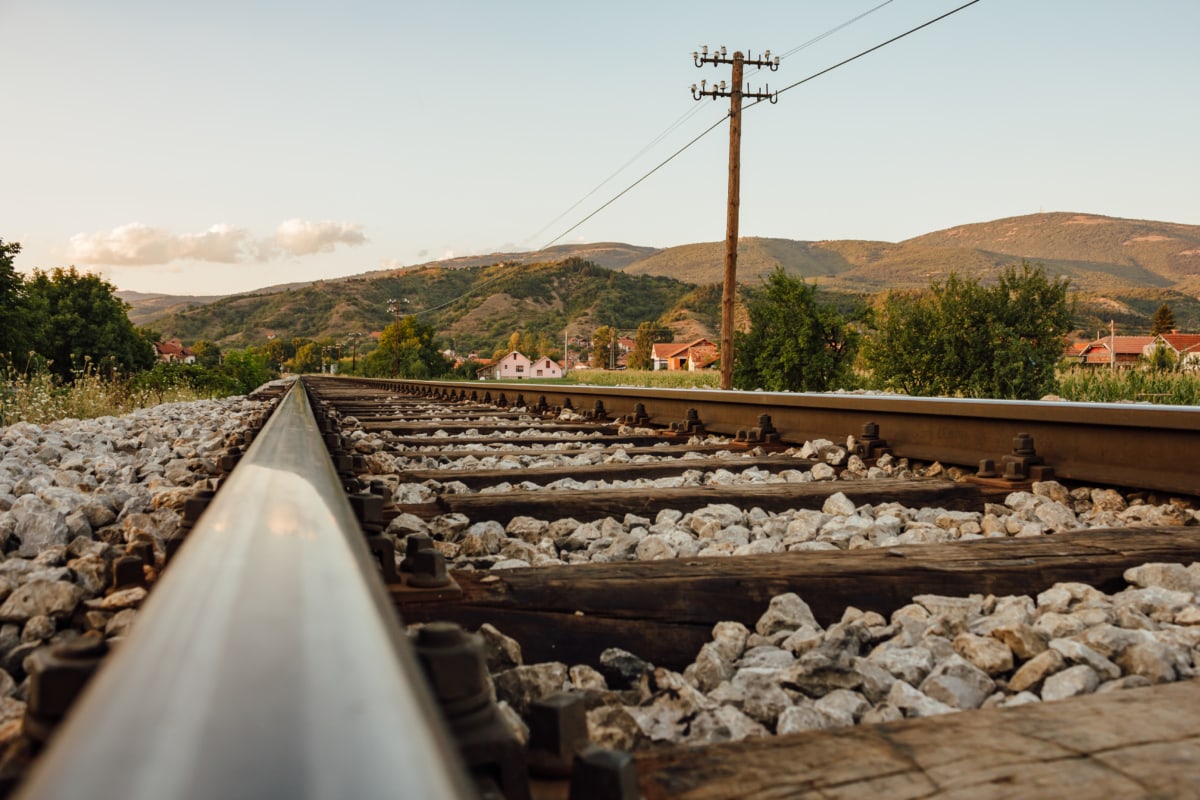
815	75
710	129
869	50
687	116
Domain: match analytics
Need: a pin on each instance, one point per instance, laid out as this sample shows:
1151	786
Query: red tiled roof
1182	342
683	348
1121	344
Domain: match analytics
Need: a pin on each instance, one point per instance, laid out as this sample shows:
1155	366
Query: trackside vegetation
68	349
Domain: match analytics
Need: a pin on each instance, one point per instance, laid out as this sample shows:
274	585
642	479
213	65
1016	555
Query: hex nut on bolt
557	732
413	544
601	774
56	677
429	570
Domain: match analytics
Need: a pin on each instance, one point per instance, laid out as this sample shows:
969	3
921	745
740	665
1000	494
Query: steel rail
267	662
1137	446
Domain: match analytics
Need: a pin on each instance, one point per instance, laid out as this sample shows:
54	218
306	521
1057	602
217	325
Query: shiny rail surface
1137	446
267	662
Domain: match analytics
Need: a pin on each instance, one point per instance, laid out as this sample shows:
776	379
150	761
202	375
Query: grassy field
37	397
1100	385
661	379
1074	383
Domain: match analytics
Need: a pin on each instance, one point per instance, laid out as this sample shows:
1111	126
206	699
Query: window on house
520	367
539	372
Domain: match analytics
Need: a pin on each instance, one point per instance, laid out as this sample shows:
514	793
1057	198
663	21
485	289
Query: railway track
269	661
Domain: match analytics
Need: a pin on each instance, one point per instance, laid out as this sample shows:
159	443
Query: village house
514	366
698	354
546	367
1126	351
174	352
1183	347
660	354
1120	351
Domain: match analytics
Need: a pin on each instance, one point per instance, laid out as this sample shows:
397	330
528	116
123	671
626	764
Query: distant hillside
612	255
145	307
476	307
1120	270
1097	253
705	263
1127	250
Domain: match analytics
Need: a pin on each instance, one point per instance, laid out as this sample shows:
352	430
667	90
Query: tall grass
660	379
39	397
1135	384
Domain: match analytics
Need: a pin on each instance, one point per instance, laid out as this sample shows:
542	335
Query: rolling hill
1120	270
475	306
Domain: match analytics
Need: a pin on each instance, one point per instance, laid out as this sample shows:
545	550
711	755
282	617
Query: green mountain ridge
1120	270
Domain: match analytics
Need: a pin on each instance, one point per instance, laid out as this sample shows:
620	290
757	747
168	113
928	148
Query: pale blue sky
223	146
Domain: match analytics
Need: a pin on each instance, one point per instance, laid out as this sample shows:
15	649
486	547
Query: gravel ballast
74	494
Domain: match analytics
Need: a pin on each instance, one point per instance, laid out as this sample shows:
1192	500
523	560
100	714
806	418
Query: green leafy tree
543	346
408	349
249	368
207	353
603	341
1163	322
78	319
961	338
642	354
307	358
15	342
278	351
795	343
1161	359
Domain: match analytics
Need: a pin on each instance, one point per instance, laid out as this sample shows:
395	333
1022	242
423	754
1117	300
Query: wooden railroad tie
665	610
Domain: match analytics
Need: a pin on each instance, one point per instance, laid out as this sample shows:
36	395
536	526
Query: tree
279	351
642	355
15	342
543	346
795	343
207	353
406	348
307	358
1161	358
79	319
603	341
1163	322
250	368
962	338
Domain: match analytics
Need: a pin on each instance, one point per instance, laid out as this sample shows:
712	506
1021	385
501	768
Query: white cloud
136	244
300	237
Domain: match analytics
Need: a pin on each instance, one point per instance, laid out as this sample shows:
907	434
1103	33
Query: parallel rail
268	661
1144	447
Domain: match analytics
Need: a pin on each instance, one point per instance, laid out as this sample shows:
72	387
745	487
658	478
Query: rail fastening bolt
601	774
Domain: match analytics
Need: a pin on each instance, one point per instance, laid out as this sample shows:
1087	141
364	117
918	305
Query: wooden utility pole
735	93
394	310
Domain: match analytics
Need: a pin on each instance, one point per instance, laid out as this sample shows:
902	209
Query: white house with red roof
1121	351
546	367
174	352
1184	348
691	356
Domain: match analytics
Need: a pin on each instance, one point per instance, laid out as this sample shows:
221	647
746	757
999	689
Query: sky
219	147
